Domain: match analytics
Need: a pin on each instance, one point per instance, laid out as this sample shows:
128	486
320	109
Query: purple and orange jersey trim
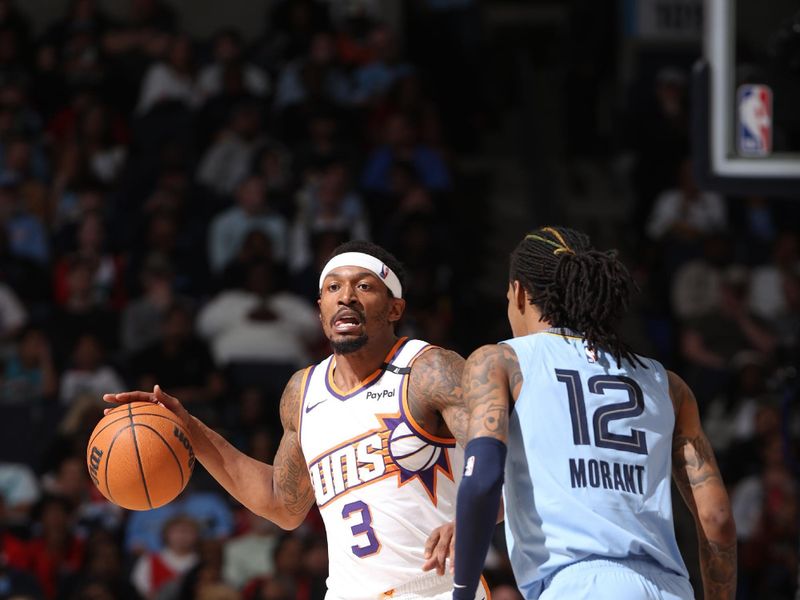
373	377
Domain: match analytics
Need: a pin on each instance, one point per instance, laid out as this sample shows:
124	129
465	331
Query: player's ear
519	296
397	307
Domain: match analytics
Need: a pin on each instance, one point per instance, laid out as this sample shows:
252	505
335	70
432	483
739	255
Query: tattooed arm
492	381
281	492
434	394
697	476
437	378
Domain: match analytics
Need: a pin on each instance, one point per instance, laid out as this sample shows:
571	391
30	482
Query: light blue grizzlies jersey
589	460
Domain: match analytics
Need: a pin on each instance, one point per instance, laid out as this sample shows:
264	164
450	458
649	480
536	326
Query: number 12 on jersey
635	441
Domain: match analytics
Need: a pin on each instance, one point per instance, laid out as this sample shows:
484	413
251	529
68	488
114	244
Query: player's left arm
491	380
435	389
435	396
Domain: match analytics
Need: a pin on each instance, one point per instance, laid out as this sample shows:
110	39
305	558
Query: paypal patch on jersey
589	460
754	131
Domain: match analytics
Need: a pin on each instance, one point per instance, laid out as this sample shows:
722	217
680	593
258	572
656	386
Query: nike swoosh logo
313	406
461	587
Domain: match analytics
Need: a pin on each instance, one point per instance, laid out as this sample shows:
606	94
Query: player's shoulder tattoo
492	378
435	379
291	398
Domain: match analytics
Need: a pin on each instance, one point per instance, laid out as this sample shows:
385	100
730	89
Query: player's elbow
718	524
283	519
290	522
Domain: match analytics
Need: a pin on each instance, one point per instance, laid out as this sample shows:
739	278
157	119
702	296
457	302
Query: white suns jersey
381	482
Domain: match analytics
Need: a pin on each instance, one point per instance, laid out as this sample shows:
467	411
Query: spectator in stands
327	203
102	139
19	491
767	503
179	361
171	80
258	322
89	376
142	317
144	530
29	279
315	76
102	575
90	245
55	553
710	342
228	51
401	144
732	416
250	554
27	236
775	284
13	315
20	163
81	314
29	376
252	211
227	161
15	562
659	137
180	553
384	68
695	287
686	212
70	480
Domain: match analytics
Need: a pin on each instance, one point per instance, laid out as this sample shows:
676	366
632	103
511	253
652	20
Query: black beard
349	345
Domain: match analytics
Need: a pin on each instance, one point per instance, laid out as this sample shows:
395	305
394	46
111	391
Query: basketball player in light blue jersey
587	433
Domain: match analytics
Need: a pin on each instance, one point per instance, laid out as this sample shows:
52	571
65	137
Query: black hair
381	254
575	286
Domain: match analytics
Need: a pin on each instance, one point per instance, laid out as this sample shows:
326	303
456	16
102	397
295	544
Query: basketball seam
108	460
138	457
166	443
110	423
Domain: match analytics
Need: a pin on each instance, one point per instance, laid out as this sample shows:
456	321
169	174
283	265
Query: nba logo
755	120
384	271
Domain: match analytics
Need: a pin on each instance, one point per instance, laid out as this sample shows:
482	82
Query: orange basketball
140	456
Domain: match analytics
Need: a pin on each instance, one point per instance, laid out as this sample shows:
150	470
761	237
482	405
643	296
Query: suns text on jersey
348	466
596	473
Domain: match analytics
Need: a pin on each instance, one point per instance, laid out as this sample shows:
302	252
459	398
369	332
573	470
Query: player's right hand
439	546
157	396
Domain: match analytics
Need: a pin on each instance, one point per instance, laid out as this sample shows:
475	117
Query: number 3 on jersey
603	438
363	528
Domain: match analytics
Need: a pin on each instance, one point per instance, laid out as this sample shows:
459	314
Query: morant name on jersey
608	475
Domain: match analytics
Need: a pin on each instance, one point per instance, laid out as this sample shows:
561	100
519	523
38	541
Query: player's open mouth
346	322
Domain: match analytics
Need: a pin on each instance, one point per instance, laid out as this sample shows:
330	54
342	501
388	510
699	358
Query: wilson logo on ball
185	441
94	464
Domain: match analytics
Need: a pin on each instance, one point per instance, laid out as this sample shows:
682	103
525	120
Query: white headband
365	261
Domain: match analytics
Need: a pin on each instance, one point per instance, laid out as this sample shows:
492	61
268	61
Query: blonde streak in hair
560	238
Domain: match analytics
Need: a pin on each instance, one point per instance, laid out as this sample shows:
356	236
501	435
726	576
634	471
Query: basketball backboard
746	98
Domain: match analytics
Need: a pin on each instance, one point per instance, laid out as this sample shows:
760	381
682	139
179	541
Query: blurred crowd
166	204
720	278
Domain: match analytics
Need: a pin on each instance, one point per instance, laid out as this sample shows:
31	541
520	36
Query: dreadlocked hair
576	286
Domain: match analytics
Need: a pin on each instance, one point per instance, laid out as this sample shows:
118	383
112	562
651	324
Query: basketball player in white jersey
585	434
369	434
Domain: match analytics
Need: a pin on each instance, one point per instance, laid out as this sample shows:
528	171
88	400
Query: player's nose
347	295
